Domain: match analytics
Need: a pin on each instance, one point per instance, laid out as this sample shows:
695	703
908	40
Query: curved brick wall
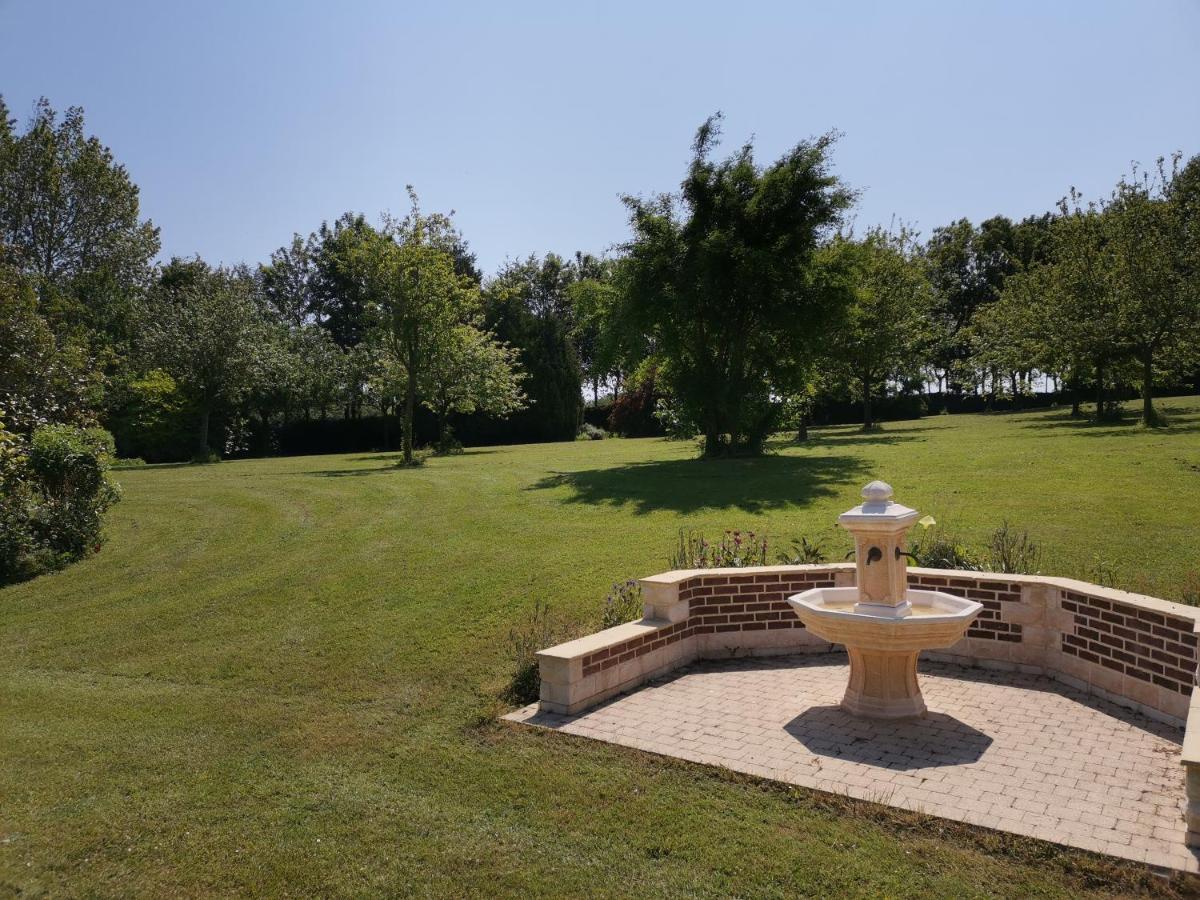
1137	650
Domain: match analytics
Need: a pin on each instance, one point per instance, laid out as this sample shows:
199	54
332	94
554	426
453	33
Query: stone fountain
883	623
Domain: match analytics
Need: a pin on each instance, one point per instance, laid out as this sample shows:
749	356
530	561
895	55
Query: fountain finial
877	492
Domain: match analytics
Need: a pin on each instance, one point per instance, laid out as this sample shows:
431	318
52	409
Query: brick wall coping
609	637
676	576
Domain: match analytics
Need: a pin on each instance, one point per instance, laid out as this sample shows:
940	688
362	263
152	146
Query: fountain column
879	526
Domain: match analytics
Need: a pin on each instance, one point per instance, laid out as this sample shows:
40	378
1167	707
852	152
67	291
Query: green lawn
280	676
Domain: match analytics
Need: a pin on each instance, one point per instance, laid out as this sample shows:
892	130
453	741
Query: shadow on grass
393	461
1178	420
395	456
853	435
688	485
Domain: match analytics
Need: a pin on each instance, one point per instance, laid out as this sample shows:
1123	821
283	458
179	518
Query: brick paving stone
1020	753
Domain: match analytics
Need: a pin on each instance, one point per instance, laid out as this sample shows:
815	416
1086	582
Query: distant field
281	674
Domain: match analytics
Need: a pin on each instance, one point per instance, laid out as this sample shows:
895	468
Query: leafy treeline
188	360
741	304
754	304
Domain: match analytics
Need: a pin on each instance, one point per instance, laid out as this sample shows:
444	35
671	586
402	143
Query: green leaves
719	277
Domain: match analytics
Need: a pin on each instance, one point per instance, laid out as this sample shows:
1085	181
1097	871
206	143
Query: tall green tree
69	212
416	295
722	275
881	336
527	307
45	378
205	329
961	286
1079	315
1155	282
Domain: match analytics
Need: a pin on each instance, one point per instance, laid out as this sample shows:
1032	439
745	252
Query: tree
203	327
1078	314
287	283
468	372
416	296
1157	297
44	378
722	276
70	212
1005	335
960	287
888	301
526	306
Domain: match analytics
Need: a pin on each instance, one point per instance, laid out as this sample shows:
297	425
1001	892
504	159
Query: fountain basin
929	620
883	642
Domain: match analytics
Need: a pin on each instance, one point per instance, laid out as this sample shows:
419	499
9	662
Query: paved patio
1020	753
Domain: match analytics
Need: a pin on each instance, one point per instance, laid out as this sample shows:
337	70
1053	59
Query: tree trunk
595	392
1149	416
410	405
712	442
868	422
802	429
1099	392
202	435
1016	390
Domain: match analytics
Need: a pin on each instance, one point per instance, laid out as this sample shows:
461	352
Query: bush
938	550
1008	552
633	410
70	473
736	549
150	418
589	432
205	457
623	604
536	633
1013	553
53	496
17	546
803	553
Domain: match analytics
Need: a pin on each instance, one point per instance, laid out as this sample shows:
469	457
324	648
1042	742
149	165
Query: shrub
633	410
69	467
205	457
150	418
623	604
447	445
803	553
937	550
589	432
1009	551
537	632
1012	553
53	496
735	550
16	502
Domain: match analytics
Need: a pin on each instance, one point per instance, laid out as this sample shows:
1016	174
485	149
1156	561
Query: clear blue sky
244	122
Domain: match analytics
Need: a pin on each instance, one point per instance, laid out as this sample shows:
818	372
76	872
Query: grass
281	676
